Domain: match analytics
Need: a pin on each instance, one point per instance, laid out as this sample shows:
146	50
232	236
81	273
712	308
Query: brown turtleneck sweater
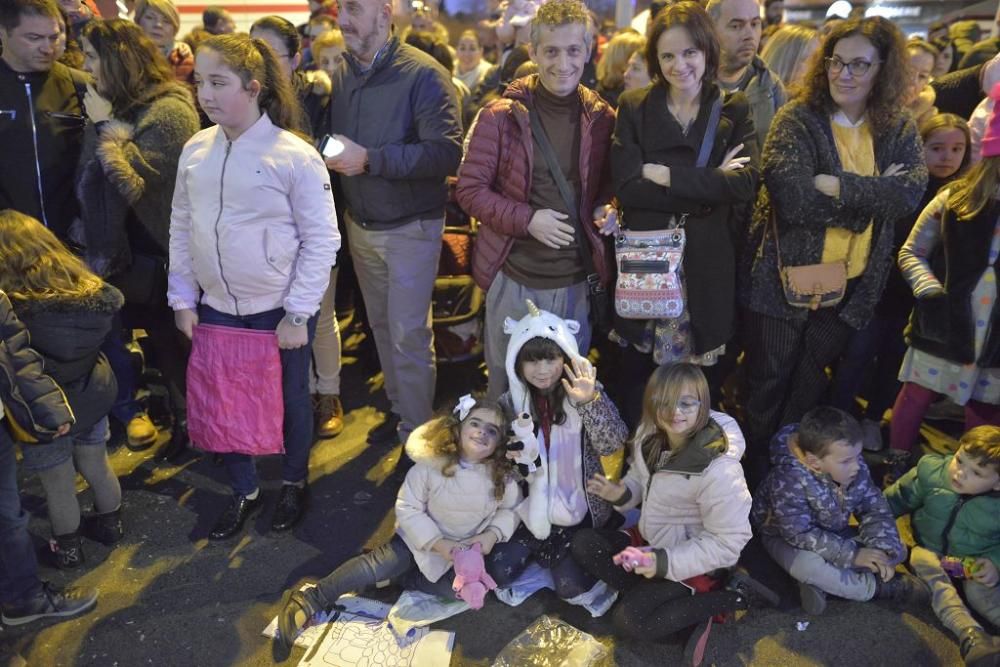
530	262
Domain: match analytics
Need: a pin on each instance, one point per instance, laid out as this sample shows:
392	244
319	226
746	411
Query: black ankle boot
68	550
175	448
106	528
297	607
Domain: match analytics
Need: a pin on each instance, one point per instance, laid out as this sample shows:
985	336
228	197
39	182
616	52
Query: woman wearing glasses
842	161
312	88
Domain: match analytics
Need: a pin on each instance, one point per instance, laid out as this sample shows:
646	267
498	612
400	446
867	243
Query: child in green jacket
954	502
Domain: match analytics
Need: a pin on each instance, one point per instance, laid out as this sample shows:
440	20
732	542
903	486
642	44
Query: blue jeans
880	342
298	404
126	406
18	566
390	562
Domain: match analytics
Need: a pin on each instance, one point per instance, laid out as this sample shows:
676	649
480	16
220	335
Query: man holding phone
395	138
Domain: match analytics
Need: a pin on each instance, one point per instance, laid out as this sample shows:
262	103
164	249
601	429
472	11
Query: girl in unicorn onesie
565	423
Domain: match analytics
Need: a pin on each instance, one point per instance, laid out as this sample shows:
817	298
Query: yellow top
856	149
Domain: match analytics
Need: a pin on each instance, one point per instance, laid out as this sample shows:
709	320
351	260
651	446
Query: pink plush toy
471	581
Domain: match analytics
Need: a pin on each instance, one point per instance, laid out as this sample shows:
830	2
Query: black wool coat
716	200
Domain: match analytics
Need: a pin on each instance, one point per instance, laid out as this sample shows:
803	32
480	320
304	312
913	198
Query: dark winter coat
31	398
404	110
41	150
943	521
799	147
494	181
647	132
943	325
812	512
766	95
68	333
126	182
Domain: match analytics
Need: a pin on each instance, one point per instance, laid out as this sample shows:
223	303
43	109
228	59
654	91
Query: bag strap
708	140
545	147
773	218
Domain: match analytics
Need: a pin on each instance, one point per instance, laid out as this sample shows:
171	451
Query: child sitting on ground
803	509
954	502
460	492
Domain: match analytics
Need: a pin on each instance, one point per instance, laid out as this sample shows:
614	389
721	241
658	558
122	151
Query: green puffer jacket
944	521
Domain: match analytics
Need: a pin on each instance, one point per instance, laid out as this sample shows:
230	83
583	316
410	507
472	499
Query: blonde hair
784	50
983	444
612	65
165	7
331	39
970	193
34	264
659	403
443	437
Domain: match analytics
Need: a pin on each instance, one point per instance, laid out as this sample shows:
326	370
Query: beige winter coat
698	514
431	506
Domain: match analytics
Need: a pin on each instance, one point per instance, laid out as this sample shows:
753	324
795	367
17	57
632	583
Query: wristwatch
296	319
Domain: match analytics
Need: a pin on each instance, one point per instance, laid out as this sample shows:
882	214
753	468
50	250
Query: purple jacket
811	512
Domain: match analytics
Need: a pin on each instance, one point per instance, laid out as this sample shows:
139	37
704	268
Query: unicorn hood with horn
536	324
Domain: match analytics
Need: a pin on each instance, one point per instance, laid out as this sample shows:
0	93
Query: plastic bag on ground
234	395
549	642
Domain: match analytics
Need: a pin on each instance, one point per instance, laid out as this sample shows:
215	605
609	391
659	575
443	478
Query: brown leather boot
329	415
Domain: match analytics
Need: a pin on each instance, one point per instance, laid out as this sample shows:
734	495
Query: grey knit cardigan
799	146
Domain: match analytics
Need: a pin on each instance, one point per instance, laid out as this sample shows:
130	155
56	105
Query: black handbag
597	297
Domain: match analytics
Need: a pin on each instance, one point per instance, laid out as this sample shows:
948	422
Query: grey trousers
396	269
506	298
811	568
945	599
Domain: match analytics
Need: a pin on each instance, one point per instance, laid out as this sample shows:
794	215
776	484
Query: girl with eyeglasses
842	162
686	473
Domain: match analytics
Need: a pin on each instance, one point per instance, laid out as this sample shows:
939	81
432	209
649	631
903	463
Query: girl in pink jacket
460	492
253	234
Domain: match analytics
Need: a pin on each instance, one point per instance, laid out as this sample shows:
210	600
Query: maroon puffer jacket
494	179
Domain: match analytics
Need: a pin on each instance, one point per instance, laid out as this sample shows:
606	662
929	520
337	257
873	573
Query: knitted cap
991	136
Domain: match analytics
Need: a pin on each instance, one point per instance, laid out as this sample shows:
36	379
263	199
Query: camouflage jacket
812	512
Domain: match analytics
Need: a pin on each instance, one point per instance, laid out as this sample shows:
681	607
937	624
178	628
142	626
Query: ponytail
254	60
277	98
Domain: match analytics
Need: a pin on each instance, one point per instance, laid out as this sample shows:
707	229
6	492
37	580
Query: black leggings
649	609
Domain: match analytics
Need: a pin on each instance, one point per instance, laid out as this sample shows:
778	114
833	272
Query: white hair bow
465	405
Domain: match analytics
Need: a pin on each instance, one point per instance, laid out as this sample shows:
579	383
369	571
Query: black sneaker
51	603
978	648
232	520
291	506
813	599
897	463
385	433
904	590
694	648
752	592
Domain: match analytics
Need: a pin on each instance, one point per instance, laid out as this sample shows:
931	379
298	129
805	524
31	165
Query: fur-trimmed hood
420	449
106	301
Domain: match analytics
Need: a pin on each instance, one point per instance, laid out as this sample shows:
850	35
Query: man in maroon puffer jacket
530	245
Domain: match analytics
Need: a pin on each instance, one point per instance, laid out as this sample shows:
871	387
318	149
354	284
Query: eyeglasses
688	407
857	67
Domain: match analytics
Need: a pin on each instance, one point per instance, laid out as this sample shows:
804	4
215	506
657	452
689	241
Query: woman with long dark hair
843	161
141	117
